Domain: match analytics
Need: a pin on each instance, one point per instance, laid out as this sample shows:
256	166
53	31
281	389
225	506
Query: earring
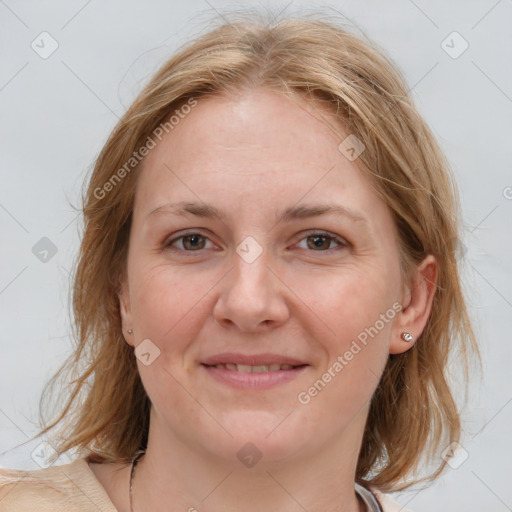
130	331
407	337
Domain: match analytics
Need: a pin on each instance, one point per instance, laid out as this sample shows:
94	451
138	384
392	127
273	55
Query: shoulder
21	490
66	488
387	503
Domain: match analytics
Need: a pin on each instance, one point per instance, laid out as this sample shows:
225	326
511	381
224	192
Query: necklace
132	472
372	505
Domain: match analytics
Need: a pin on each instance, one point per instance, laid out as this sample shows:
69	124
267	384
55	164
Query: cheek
167	302
349	302
356	315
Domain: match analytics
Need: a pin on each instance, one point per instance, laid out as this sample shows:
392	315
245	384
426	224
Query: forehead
255	146
247	122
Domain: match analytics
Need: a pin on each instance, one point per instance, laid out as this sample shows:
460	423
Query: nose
251	297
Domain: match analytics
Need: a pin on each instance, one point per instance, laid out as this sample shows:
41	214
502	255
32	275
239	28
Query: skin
253	155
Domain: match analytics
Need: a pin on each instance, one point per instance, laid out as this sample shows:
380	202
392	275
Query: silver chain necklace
132	472
372	505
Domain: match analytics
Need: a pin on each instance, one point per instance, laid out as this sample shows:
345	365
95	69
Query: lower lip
250	380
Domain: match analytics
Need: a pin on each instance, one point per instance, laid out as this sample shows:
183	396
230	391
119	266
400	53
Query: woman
267	290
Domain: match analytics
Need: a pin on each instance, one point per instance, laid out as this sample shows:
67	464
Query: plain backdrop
57	109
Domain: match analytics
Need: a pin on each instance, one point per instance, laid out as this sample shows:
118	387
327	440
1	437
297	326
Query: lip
252	359
253	380
243	380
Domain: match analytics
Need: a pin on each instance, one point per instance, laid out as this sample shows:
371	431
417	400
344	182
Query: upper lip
251	359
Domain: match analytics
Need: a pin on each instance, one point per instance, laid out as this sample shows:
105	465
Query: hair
413	413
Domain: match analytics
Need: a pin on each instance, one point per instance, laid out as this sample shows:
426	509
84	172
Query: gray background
58	111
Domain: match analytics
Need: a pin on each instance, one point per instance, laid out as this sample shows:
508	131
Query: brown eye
321	242
190	243
316	242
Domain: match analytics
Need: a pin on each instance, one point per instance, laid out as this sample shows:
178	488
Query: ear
126	312
416	305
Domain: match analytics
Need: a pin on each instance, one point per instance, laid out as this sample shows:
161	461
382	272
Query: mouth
262	368
252	372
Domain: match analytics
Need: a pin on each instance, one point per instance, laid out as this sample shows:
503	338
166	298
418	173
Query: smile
263	368
258	377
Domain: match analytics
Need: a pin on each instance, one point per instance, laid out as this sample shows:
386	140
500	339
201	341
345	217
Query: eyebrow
292	213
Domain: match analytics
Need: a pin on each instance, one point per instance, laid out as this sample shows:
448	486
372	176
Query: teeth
262	368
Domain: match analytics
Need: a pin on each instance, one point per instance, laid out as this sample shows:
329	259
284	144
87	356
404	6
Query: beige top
74	488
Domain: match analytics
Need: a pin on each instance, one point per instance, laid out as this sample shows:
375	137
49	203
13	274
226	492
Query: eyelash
343	244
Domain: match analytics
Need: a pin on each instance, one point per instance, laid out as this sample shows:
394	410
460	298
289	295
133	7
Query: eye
315	241
321	241
190	242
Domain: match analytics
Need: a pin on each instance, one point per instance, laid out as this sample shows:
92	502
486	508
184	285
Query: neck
177	476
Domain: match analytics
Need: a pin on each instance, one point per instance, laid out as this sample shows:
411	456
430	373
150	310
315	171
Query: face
236	258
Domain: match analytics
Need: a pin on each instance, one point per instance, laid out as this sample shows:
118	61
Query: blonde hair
413	412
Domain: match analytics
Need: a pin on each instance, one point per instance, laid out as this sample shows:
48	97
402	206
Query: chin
259	435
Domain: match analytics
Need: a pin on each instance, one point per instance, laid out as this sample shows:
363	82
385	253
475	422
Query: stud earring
130	331
407	337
